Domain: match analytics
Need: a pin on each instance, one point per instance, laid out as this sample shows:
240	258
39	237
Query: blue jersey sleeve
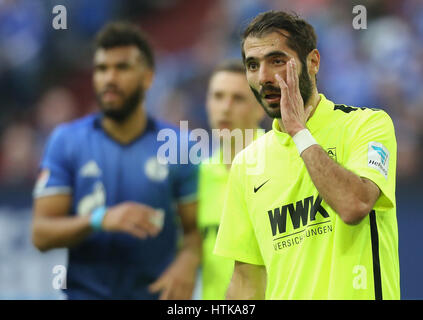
55	168
186	182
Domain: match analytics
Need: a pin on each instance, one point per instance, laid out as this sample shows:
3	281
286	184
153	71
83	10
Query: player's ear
313	62
147	79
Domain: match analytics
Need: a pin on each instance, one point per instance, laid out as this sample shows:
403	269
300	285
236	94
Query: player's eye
122	66
100	68
252	66
278	61
239	98
218	95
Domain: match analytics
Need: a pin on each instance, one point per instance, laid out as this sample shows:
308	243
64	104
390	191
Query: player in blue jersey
103	193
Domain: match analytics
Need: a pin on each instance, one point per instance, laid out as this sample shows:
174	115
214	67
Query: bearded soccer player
104	194
319	221
231	108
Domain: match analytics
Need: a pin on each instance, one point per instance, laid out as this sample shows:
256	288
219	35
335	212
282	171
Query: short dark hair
230	65
120	33
302	37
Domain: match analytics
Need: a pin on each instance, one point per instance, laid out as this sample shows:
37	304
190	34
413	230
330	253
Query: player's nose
266	75
226	105
110	77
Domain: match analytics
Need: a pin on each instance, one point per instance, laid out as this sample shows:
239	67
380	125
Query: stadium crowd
45	73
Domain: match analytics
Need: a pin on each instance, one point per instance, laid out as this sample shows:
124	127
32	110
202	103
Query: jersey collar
150	126
313	124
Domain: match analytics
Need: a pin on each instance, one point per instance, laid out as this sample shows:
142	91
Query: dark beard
127	109
306	88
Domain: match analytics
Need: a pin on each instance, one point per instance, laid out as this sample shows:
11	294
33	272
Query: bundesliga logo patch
378	158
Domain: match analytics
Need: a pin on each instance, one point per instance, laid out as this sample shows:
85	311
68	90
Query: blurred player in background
319	222
230	105
103	193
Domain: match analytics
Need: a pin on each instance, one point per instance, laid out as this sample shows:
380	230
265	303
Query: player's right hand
293	114
131	217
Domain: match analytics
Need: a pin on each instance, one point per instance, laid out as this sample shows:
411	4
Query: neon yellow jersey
274	216
216	271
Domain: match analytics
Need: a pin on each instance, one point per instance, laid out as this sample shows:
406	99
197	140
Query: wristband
97	217
303	140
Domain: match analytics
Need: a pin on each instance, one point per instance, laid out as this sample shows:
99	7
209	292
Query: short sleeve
236	238
55	167
187	182
372	154
186	179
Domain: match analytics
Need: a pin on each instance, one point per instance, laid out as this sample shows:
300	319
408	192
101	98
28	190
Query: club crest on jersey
378	158
332	153
155	170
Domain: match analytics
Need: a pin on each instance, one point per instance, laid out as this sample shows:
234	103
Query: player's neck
313	101
125	131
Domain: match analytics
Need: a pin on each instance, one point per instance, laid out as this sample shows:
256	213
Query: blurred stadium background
45	79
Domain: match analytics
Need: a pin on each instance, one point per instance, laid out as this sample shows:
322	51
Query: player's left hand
294	115
177	282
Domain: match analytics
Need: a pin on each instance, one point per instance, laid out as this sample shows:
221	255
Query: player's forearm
343	190
191	247
248	282
59	232
239	291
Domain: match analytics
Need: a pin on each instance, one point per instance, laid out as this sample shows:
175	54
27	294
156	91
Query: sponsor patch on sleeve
378	158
